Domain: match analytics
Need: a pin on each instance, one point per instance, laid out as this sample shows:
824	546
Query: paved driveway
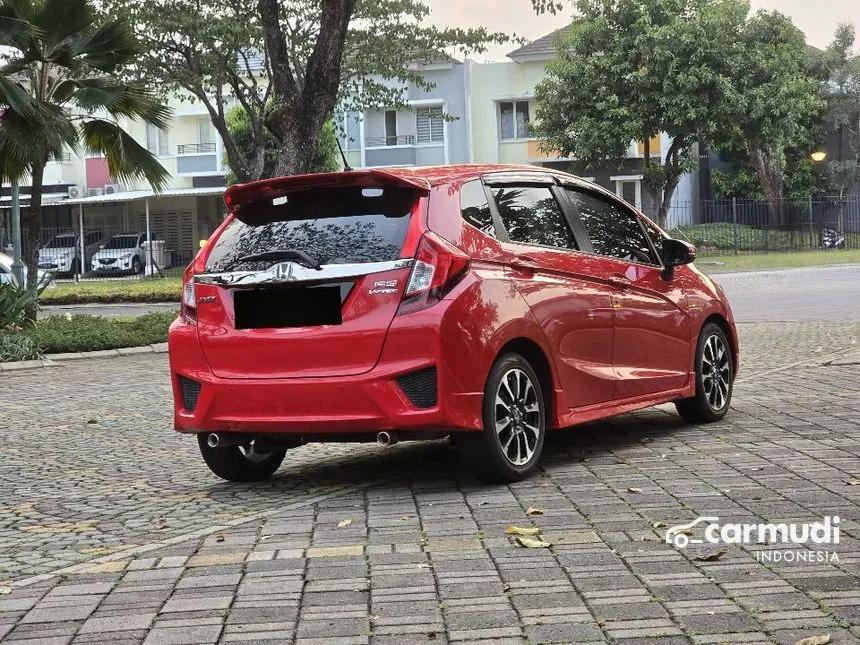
112	529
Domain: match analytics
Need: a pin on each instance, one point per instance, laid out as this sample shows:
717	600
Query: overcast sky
817	18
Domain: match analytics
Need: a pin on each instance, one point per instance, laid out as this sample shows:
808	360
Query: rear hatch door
306	283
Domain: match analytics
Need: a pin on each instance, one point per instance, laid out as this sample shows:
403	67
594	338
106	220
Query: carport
183	215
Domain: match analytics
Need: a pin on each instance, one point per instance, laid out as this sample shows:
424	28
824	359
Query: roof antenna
346	166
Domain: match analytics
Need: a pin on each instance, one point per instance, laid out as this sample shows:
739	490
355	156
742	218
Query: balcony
389	141
197	158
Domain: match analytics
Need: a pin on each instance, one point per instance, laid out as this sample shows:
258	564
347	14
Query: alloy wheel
517	417
716	372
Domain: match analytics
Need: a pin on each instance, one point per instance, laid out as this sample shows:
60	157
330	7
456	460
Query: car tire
239	464
514	418
714	378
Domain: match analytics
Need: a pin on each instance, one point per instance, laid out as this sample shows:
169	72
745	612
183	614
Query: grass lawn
760	261
109	291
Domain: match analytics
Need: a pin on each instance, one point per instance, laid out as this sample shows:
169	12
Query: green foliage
14	302
216	53
110	291
58	334
64	61
326	159
720	236
18	347
617	79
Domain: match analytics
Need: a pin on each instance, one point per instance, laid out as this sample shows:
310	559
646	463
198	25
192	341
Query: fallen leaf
91	422
531	543
814	640
343	524
5	591
519	530
633	489
483	503
265	537
534	511
431	635
219	538
853	482
601	622
658	525
647	440
711	557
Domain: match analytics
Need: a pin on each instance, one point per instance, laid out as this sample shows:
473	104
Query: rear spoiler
240	194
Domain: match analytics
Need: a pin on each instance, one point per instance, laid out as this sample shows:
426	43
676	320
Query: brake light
438	267
188	308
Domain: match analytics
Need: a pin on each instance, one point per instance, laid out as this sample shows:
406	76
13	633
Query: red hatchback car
488	303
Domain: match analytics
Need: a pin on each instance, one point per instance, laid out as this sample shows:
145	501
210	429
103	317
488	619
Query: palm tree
59	91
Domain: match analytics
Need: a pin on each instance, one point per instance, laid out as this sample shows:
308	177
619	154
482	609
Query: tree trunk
300	110
769	172
666	203
34	235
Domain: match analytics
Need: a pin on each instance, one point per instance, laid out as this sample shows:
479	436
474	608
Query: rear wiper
282	254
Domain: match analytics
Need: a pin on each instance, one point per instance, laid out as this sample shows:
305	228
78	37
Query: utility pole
17	264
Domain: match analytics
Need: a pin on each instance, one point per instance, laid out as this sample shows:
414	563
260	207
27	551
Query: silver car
124	253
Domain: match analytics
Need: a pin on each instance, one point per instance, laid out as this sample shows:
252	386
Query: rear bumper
370	402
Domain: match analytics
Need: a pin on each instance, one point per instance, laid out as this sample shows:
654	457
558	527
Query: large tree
287	63
627	70
775	99
60	94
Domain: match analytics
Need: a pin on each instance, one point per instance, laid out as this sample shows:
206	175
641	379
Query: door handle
525	263
620	282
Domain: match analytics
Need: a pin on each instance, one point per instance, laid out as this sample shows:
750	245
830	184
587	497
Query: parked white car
63	253
123	253
7	277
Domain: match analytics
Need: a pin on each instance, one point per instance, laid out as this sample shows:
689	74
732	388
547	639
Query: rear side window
532	216
614	231
332	225
475	207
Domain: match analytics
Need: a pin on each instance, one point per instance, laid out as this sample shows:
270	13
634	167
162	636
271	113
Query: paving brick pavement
425	557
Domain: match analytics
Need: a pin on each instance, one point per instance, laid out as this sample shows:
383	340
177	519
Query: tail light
188	308
437	268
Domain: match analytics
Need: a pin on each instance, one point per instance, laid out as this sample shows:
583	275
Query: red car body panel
616	336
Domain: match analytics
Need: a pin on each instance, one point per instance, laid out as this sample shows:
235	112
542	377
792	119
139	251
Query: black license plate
287	307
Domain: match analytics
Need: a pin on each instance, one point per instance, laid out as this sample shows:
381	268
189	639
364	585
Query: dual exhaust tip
214	440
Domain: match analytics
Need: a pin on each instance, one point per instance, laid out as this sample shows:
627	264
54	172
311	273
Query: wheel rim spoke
716	372
517	416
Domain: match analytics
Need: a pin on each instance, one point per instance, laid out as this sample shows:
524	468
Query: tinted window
92	238
333	225
62	242
531	215
475	208
122	242
654	234
614	231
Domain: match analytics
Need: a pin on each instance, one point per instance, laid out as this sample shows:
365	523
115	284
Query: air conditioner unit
76	192
94	192
112	189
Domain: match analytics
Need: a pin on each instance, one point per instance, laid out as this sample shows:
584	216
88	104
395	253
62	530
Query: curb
52	360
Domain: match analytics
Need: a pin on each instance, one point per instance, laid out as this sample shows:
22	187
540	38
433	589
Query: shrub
18	347
109	291
13	303
58	334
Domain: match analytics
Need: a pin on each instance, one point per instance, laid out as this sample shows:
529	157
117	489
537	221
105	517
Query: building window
514	119
430	124
204	132
391	127
156	141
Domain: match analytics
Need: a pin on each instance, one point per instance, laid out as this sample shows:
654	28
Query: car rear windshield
62	242
331	225
122	242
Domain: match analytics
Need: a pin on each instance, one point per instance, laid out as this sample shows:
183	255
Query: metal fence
734	226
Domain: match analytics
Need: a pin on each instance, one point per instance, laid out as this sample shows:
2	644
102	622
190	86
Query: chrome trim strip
284	272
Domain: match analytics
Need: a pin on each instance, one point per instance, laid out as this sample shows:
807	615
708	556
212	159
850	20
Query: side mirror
676	253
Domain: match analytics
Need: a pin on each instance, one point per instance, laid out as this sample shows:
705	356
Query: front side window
430	124
532	216
475	207
514	119
614	231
